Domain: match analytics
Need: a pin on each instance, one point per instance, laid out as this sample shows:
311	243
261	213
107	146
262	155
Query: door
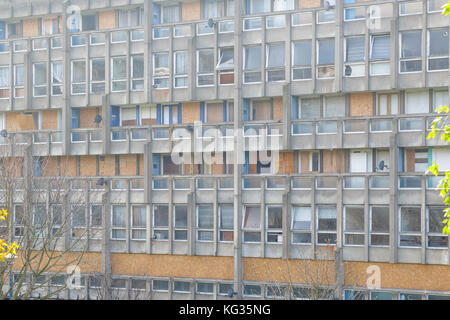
358	161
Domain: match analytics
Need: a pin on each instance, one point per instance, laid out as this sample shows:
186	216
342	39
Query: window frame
159	228
132	222
409	59
178	228
350	232
38	86
118	227
96	82
438	57
182	75
160	76
119	80
205	74
409	233
273	231
133	78
318	231
301	231
201	229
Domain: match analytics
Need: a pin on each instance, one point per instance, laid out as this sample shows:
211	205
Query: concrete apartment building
346	90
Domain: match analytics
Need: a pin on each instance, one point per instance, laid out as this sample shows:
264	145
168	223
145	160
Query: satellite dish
327	5
4	133
100	182
211	23
348	71
381	165
98	118
231	293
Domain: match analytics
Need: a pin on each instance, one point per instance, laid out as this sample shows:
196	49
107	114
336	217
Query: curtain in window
181	63
205	217
4	77
57	73
212	9
335	106
275	57
310	108
139	217
171	14
355	49
252	219
118	219
282	5
123	18
161	63
381	48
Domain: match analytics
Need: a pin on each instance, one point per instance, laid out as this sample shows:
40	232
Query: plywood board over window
278	108
310	4
49	119
107	166
333	161
148	114
128	164
214	112
107	20
190	11
87	116
16	121
261	110
30	27
88	166
191	112
361	104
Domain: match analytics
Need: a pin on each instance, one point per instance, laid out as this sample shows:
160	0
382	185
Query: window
301	60
407	8
78	221
180	69
57	78
226	223
49	26
78	77
283	5
89	22
252	224
118	225
417	102
205	287
161	222
15	29
205	223
97	76
354	225
436	5
326	16
95	221
138	223
436	239
161	70
274	225
410	51
205	67
301	19
212	9
180	223
275	62
39	79
252	64
181	286
301	225
387	104
410	227
259	6
138	284
438	49
326	225
309	108
160	285
137	73
354	56
440	98
4	82
380	54
130	17
170	14
225	66
325	58
379	226
119	74
19	81
19	221
334	106
224	288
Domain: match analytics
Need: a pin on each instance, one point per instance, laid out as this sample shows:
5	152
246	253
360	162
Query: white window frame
199	74
7	87
278	232
409	233
179	76
434	234
251	70
377	61
353	232
405	4
325	231
318	65
94	229
221	229
92	82
198	229
35	86
136	228
53	84
270	69
304	231
118	228
23	80
72	83
250	230
374	232
294	67
157	228
133	78
120	80
175	228
161	76
400	59
434	57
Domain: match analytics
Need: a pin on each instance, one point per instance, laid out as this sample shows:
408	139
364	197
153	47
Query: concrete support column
106	254
393	186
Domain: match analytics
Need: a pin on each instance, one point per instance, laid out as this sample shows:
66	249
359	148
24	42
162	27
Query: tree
40	222
6	250
441	125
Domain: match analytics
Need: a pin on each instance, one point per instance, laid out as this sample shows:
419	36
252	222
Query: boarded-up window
214	112
262	110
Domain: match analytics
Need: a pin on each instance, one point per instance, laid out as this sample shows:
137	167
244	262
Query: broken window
410	227
205	223
252	64
226	225
205	67
354	225
118	225
225	66
411	51
301	225
436	239
275	62
326	225
438	49
138	222
78	77
301	60
252	224
274	225
160	222
180	69
180	222
161	70
98	76
380	54
379	226
325	58
119	74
